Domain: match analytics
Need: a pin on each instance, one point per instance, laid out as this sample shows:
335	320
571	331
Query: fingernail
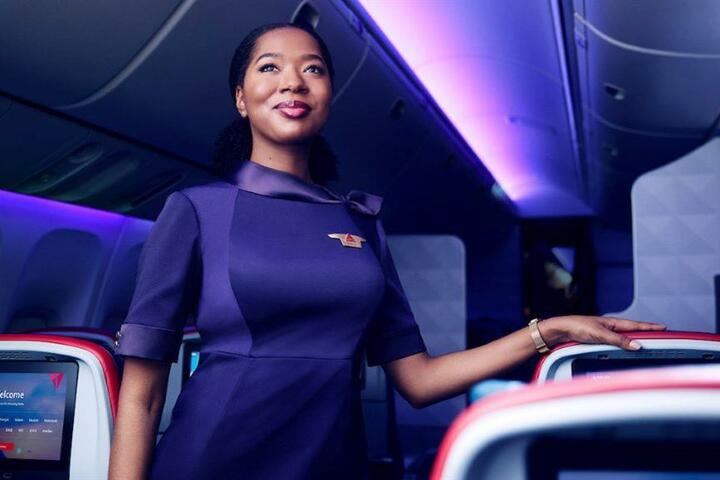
635	345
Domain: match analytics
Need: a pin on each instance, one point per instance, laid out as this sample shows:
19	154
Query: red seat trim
688	377
106	361
664	335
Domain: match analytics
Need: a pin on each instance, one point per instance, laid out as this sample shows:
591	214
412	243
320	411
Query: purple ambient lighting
41	211
484	71
425	43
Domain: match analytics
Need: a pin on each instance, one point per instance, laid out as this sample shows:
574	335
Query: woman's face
286	65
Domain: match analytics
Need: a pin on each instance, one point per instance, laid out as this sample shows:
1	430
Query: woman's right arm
167	289
142	395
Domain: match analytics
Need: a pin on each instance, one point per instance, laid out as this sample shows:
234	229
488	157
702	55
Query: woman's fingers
613	338
625	325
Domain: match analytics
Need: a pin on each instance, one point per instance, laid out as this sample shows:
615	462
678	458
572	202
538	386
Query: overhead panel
493	68
30	141
648	84
615	160
178	98
669	25
368	126
659	91
44	155
62	52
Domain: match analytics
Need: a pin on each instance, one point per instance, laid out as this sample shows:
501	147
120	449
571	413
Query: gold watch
540	344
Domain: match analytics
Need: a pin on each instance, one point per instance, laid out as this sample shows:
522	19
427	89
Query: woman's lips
295	112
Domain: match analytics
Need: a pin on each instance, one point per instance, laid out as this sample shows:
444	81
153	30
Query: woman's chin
296	137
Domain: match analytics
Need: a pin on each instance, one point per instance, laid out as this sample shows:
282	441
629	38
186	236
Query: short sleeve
393	332
166	287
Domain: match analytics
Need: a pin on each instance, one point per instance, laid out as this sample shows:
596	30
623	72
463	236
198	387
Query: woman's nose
292	80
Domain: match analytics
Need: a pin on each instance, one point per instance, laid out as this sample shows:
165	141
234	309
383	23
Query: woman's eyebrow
306	56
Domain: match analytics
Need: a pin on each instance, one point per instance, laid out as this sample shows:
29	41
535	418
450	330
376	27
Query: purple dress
286	313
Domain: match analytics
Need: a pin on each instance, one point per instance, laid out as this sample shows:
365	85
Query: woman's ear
239	102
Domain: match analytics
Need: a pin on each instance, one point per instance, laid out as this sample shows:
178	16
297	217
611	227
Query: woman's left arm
424	380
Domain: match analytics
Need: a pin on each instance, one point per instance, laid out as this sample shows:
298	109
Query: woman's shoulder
208	192
207	187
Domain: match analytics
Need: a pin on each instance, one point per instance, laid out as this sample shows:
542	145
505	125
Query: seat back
659	349
59	400
376	395
580	428
101	336
179	372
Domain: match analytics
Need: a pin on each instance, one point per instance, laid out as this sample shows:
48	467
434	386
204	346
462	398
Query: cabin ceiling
114	106
564	102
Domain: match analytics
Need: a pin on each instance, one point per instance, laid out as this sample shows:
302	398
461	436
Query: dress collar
256	178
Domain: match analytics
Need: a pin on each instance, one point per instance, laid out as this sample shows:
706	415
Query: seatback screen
615	475
191	358
36	407
605	456
597	368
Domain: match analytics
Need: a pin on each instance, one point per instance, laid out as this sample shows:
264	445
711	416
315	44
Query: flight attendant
291	284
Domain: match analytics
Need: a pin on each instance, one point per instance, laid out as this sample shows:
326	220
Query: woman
291	285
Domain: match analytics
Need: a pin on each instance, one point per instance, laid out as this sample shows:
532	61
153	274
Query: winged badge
348	239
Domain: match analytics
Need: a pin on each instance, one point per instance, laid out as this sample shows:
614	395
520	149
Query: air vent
498	193
148	191
530	123
611	150
617	93
114	169
62	169
306	15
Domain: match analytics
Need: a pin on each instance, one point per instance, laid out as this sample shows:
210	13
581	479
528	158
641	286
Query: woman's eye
262	69
317	68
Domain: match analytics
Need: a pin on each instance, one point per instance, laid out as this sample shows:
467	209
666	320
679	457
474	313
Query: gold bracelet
540	344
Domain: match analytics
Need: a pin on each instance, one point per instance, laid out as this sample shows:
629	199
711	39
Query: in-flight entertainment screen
191	358
599	368
606	457
618	475
36	405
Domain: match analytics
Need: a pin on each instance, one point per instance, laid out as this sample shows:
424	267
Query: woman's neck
292	159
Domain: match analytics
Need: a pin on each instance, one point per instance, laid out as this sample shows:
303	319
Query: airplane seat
58	401
641	424
101	336
55	280
659	349
180	371
104	338
36	318
384	453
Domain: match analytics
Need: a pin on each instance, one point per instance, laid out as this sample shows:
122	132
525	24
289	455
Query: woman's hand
587	329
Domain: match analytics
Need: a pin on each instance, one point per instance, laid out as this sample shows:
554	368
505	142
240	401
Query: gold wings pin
347	239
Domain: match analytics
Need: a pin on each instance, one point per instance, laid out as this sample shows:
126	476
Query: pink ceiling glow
491	75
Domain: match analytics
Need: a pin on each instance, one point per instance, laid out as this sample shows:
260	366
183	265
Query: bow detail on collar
363	202
263	180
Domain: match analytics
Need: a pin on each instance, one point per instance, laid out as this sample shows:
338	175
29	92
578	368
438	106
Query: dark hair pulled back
234	143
